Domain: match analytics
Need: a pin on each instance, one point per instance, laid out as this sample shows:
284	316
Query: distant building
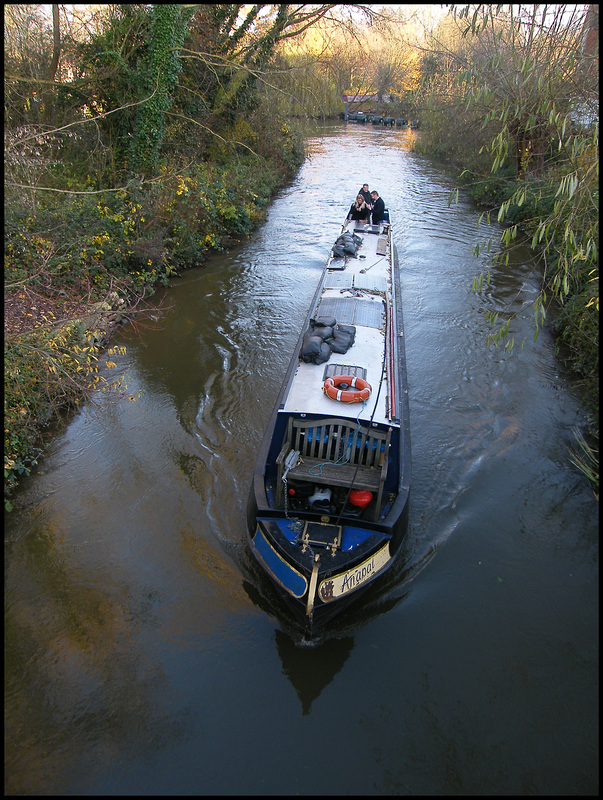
365	98
359	98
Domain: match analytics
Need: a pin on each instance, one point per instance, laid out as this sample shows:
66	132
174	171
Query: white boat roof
355	291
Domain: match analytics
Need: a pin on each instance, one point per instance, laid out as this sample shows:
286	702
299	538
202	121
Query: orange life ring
359	390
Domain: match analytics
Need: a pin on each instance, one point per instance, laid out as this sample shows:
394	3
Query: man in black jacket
378	208
366	194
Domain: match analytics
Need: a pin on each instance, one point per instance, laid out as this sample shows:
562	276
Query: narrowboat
328	505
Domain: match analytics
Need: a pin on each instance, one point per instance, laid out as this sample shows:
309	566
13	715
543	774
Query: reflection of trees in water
76	680
227	594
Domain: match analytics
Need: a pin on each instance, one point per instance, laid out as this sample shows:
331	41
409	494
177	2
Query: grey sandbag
346	244
343	338
341	343
314	350
310	346
322	327
350	242
325	354
349	329
328	322
324	332
346	240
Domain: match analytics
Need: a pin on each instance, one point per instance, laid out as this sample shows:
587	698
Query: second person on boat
359	210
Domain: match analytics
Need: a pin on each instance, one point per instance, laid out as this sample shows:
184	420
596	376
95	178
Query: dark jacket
362	213
367	197
378	211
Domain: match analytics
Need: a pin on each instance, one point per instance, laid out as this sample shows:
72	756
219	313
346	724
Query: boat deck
356	290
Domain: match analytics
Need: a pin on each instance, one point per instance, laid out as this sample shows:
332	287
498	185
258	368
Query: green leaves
585	459
483	279
568	185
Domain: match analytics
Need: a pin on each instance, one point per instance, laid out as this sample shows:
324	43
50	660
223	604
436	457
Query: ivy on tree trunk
162	68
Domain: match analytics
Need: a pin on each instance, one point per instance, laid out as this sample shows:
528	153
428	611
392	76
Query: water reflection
513	282
78	681
312	669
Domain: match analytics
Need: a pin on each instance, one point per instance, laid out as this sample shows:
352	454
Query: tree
537	83
529	85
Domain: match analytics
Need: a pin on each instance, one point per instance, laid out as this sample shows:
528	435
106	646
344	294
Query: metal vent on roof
344	369
339	280
352	311
371	283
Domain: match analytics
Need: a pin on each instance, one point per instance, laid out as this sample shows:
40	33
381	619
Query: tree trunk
56	43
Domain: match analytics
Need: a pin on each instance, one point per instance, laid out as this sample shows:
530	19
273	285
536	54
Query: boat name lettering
352	579
338	585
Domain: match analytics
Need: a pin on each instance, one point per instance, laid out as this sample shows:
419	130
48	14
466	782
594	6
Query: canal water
143	655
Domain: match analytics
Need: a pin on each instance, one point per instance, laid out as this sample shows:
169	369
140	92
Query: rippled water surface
142	656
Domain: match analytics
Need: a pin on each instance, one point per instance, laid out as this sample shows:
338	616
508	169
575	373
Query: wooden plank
336	474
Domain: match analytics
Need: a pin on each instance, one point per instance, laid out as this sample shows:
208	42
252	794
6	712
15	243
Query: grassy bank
78	261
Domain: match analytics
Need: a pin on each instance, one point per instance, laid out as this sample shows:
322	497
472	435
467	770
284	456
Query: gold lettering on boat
337	585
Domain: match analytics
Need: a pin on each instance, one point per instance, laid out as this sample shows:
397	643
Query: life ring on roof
353	389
